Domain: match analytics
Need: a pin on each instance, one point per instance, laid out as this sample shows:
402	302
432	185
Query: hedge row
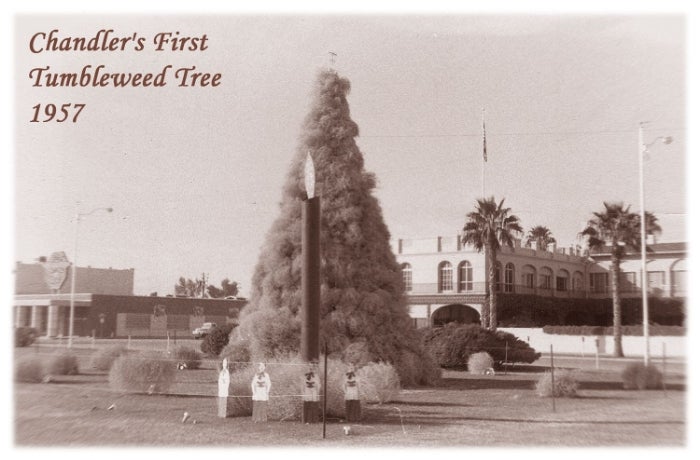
519	310
626	330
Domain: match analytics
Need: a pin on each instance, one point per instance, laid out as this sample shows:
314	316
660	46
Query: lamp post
78	216
644	148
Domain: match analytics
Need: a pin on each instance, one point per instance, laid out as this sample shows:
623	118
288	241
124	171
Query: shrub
29	369
565	384
637	376
357	353
143	373
25	336
103	358
379	383
62	363
417	369
452	345
188	356
479	363
238	354
216	340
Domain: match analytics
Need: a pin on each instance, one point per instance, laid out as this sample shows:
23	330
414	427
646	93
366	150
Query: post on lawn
551	365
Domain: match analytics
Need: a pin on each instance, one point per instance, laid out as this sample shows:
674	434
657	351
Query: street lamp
644	148
74	269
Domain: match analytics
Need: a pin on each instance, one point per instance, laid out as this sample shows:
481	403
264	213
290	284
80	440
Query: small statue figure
310	394
224	381
353	411
260	386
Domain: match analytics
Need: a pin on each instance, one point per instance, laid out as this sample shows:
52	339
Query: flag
483	132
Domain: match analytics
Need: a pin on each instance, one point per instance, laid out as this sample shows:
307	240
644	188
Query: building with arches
446	281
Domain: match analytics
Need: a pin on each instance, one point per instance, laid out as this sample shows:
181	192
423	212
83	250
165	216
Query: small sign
55	270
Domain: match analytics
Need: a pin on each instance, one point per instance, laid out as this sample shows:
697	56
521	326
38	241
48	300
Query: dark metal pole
325	385
506	362
551	356
310	279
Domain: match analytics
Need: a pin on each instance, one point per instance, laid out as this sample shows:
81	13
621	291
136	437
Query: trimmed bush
479	363
29	369
63	363
216	340
238	354
637	376
191	358
357	353
525	310
417	369
142	373
452	345
379	383
565	384
103	358
25	336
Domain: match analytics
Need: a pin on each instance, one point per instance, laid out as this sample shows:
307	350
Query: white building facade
446	281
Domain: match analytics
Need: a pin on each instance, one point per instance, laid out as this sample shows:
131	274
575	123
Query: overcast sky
195	174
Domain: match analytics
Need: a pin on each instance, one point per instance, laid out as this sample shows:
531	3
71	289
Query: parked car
203	330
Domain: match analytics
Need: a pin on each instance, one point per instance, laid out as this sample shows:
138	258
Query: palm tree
619	228
488	228
541	236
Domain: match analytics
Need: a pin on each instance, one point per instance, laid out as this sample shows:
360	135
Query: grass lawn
462	411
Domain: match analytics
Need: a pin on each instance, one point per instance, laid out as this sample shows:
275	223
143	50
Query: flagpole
483	163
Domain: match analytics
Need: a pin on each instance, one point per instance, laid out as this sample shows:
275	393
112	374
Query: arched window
464	276
509	280
407	274
562	280
679	276
528	276
445	277
546	278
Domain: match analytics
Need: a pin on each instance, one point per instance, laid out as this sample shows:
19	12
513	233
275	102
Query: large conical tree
362	298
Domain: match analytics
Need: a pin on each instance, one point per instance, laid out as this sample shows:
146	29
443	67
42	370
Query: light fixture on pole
74	268
644	148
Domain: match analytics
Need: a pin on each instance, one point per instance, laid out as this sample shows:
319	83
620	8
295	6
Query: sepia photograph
348	229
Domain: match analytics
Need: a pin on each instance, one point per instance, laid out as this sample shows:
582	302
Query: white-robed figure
310	386
353	411
224	382
260	386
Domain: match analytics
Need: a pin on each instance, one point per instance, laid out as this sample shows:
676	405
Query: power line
532	133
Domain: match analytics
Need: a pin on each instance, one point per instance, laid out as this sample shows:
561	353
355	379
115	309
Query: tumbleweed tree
363	306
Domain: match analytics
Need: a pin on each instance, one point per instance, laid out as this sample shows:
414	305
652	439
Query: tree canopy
541	236
619	228
488	228
228	289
